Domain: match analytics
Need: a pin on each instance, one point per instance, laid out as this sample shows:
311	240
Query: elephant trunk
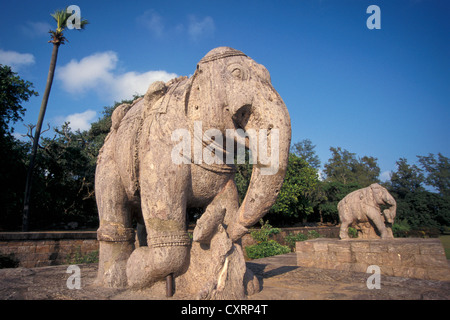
390	213
270	118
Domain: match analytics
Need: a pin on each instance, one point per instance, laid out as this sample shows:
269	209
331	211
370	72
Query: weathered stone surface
404	257
279	278
361	209
145	172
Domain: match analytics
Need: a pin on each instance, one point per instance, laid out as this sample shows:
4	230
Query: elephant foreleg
377	219
163	202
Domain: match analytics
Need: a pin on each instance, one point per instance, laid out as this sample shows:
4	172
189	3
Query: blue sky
383	93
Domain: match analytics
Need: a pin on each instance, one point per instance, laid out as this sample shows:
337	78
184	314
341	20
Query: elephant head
229	90
382	197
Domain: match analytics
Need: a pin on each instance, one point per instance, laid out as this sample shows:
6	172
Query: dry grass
445	239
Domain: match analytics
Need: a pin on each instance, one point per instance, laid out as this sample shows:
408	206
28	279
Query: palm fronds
61	17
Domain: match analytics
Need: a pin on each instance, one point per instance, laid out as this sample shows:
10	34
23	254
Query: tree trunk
26	203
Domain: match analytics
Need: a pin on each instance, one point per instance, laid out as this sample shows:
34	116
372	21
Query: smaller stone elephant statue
362	208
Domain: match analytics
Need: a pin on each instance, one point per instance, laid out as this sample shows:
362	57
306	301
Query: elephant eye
237	71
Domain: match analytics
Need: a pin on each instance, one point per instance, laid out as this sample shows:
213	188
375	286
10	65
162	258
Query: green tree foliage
407	179
305	150
424	209
345	168
64	181
438	170
14	91
294	201
416	207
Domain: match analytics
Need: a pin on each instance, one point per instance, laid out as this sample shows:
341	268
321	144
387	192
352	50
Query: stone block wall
401	257
40	249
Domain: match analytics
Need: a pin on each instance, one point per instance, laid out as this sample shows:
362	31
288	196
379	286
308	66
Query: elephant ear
188	91
154	92
375	188
118	115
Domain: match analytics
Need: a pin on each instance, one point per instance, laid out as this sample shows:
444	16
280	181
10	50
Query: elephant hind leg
115	234
343	231
345	223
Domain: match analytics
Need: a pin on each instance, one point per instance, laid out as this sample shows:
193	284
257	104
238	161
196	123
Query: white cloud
153	22
195	28
200	28
385	176
88	73
15	59
321	175
78	121
132	83
96	72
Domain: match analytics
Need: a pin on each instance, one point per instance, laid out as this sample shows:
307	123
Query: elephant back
131	122
356	204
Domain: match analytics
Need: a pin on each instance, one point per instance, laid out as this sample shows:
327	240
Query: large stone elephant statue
362	207
166	153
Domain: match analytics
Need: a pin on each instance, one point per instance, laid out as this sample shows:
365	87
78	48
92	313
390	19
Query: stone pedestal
400	257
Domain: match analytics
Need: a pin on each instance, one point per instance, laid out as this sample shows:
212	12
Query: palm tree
61	17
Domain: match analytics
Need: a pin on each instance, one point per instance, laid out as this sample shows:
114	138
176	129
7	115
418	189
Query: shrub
266	249
78	258
313	234
263	234
8	261
291	239
401	228
352	232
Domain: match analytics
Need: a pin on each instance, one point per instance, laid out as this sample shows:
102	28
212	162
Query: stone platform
280	278
401	257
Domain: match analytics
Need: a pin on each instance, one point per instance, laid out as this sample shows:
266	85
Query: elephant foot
112	264
387	236
343	235
147	265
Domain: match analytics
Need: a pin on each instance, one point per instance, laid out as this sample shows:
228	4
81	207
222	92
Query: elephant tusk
223	276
